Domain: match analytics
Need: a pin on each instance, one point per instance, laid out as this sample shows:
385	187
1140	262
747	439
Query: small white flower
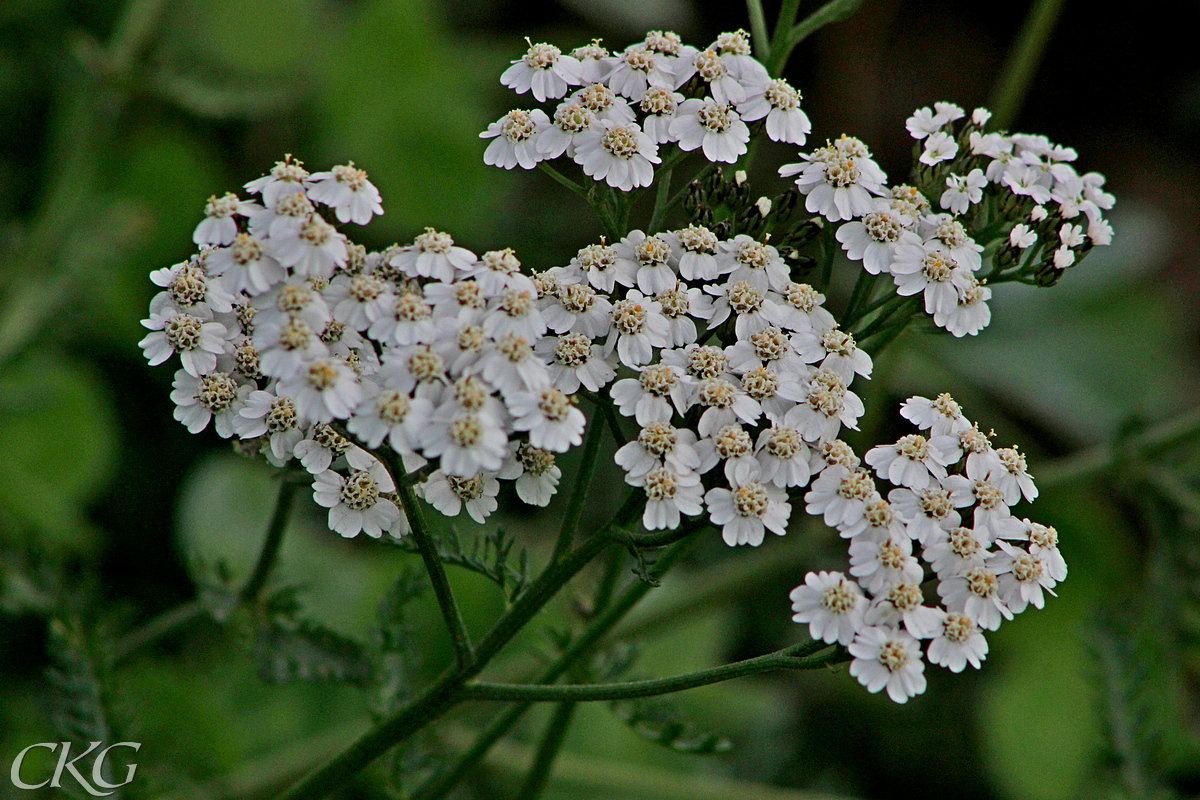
780	104
1024	576
873	240
955	551
958	643
515	139
197	341
839	180
434	255
669	494
900	605
219	226
715	127
286	177
1022	236
840	495
552	420
638	326
976	593
207	397
545	70
327	389
963	191
879	565
657	445
928	511
939	416
747	510
347	190
651	396
573	361
831	604
355	503
913	461
450	493
939	147
620	154
886	657
660	105
534	471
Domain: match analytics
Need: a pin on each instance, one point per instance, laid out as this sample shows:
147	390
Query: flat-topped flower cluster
952	499
630	104
464	369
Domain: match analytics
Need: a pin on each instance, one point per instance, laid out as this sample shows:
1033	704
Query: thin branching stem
583	482
269	553
600	625
175	618
459	637
581	693
552	740
758	30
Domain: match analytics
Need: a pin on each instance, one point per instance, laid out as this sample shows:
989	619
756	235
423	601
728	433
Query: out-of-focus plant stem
185	613
1104	457
1012	85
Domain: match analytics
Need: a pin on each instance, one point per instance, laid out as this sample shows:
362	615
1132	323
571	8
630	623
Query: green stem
597	629
185	613
564	180
758	30
787	39
788	658
459	637
1101	458
660	200
579	491
861	294
269	553
1008	95
543	762
170	620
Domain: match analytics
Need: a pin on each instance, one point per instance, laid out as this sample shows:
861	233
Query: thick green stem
543	762
1019	70
451	613
788	658
579	490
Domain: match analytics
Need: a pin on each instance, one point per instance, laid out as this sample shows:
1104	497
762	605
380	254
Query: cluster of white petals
945	530
616	110
462	370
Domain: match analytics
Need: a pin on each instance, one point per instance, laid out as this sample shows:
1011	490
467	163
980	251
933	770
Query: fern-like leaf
310	652
489	555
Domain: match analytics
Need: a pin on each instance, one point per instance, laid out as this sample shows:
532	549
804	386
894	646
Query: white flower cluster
286	332
952	499
1017	184
306	347
654	93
